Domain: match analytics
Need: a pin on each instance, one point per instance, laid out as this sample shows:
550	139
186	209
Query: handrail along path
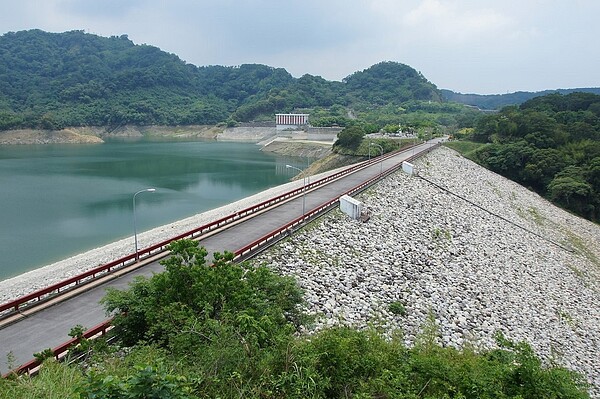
263	220
31	299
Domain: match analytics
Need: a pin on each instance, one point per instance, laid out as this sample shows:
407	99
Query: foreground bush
336	363
343	362
193	303
230	331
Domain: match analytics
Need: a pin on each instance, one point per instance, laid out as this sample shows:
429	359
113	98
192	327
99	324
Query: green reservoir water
60	200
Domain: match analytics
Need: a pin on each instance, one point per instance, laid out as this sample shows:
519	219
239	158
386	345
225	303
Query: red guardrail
251	248
60	351
54	289
244	252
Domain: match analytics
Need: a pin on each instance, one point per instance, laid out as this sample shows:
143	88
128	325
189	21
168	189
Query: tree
537	142
570	189
542	167
506	159
594	174
84	79
192	302
350	137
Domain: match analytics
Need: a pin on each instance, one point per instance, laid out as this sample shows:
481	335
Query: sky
468	46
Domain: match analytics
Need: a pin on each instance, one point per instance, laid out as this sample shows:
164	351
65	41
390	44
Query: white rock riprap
476	273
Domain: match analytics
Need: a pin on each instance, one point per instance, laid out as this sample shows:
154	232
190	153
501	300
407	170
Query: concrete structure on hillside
351	207
409	168
291	121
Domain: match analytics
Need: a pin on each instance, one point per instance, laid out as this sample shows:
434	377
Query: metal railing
59	352
241	254
272	237
44	294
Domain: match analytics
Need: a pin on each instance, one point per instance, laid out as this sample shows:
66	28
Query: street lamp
303	186
380	149
150	190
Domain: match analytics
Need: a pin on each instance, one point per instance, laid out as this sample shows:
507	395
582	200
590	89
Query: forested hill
550	144
53	80
497	101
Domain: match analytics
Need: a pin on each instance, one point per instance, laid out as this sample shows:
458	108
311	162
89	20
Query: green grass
55	381
536	216
397	308
365	147
439	234
581	248
465	148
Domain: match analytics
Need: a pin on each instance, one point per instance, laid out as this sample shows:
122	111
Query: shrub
397	308
350	137
194	300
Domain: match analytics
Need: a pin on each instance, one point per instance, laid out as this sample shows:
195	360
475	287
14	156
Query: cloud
267	27
95	9
455	22
465	45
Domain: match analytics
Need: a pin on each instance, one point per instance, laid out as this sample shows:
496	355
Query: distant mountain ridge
75	79
497	101
55	80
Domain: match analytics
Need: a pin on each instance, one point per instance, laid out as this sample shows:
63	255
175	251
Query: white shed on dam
351	207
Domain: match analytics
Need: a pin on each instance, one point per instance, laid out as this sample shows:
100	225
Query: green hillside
497	101
54	80
550	144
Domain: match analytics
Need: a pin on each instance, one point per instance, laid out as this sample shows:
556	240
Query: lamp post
150	190
303	186
381	162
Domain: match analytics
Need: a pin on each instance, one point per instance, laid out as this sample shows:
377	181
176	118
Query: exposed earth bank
29	136
98	134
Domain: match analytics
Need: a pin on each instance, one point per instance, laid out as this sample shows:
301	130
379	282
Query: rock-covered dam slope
520	265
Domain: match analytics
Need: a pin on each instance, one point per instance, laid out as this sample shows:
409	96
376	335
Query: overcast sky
469	46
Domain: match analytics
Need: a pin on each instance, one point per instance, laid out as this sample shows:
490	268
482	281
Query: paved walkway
49	327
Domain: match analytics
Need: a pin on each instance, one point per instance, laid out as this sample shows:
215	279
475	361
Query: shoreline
33	280
99	134
45	275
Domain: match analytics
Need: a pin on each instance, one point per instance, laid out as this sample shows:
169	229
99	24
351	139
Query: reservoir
60	200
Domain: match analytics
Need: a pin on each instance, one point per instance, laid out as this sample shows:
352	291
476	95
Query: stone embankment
439	255
254	134
308	143
97	134
305	149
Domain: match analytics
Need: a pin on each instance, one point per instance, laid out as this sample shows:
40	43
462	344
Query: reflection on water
59	200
